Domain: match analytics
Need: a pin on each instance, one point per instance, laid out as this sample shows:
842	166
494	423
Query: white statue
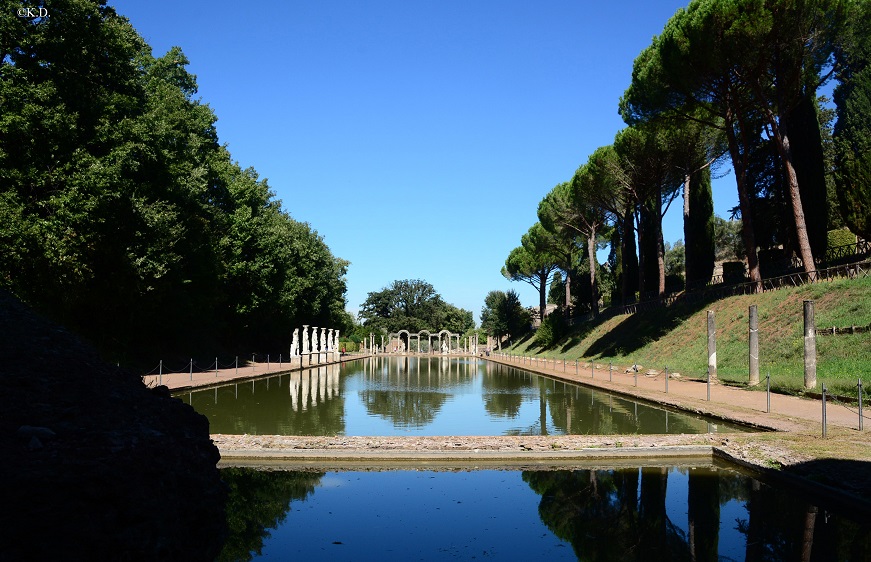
323	339
305	348
336	340
294	346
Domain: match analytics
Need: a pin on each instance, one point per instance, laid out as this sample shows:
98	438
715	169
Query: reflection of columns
322	385
304	397
293	389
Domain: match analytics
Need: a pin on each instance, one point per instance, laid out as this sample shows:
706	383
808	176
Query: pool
392	396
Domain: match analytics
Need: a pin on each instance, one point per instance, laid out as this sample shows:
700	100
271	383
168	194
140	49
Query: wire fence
578	367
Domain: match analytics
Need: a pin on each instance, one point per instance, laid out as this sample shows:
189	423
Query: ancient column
754	345
712	346
810	346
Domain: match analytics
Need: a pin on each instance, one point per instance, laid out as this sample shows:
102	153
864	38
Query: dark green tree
413	305
502	316
853	127
533	262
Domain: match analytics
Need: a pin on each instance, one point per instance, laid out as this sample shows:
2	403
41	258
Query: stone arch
407	338
429	340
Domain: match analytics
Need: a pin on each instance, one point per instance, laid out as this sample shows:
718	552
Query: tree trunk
542	297
594	290
688	234
747	234
660	248
804	244
568	293
806	144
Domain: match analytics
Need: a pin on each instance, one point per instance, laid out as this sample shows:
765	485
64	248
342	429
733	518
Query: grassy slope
677	337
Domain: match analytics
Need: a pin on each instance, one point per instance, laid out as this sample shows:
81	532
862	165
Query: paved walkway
788	413
186	380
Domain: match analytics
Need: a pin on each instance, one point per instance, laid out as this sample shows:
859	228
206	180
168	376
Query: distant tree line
413	305
123	217
726	82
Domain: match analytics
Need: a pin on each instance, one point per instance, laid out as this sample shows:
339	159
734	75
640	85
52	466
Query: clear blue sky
416	137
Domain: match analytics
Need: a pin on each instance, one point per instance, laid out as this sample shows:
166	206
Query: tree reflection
407	408
604	517
503	391
259	500
783	526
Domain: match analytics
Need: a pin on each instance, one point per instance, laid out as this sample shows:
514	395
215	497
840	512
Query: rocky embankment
95	465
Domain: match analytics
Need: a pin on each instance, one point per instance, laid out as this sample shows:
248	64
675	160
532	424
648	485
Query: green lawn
676	337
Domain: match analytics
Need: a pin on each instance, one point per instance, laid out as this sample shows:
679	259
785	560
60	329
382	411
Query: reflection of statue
305	348
294	346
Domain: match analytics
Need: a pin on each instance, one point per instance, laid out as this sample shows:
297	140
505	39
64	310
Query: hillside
676	337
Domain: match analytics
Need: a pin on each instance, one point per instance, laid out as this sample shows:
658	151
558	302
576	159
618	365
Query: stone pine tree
614	194
743	63
532	263
570	210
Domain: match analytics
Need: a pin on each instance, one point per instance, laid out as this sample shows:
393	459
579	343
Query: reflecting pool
430	396
653	513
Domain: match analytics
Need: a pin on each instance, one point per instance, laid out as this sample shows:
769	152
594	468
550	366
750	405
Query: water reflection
650	513
430	396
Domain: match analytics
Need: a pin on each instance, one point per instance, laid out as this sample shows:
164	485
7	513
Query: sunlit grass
676	337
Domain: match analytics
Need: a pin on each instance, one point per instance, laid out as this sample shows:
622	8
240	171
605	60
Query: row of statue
327	342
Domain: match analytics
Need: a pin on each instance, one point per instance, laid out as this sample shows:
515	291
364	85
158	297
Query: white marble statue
294	345
323	339
305	347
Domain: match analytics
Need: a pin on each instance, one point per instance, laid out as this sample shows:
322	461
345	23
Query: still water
391	396
653	513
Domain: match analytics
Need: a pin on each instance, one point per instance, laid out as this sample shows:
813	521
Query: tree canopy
123	217
413	305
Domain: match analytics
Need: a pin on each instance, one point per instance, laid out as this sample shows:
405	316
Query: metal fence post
216	367
192	368
666	379
635	368
824	410
860	403
610	367
237	365
768	392
161	371
592	372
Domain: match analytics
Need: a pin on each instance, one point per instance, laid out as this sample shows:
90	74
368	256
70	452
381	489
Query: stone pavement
186	380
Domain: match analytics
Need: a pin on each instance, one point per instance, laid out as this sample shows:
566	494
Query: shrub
840	237
551	330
